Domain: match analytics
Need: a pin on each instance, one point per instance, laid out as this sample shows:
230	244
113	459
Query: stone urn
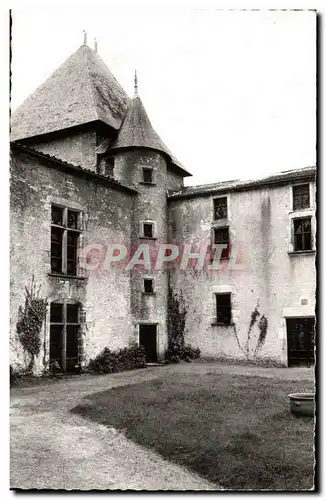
302	403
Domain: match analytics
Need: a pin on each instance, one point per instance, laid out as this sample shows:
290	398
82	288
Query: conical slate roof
80	91
137	131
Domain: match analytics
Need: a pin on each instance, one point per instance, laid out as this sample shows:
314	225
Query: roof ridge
90	82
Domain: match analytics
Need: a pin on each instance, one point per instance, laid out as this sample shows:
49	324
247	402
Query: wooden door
148	339
301	341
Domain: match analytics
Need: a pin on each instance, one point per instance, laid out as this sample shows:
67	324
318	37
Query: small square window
148	285
148	175
302	234
221	237
223	308
220	208
301	198
148	229
108	166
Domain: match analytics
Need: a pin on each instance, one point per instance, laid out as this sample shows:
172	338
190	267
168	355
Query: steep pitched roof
80	91
137	131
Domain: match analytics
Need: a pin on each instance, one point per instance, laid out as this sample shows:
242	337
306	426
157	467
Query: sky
231	93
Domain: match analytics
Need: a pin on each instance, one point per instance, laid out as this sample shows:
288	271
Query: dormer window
148	176
105	166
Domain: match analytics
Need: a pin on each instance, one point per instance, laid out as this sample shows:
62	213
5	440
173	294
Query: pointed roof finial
95	45
136	83
85	37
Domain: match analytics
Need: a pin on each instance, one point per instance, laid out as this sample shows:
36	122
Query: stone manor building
89	171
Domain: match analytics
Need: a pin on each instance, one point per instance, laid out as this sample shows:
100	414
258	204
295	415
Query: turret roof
137	131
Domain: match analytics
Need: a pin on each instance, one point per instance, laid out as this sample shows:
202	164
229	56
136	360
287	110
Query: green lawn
234	430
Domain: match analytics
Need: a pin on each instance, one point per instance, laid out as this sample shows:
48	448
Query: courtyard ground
52	447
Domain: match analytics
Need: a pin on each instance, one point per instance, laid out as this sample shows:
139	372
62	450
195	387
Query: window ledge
148	293
66	276
301	210
302	252
221	324
147	238
224	259
147	183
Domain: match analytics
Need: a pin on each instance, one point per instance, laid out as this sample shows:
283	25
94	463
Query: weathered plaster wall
259	223
77	148
174	181
104	294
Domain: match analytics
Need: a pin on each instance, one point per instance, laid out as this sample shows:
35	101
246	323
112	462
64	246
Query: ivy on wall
262	327
177	313
30	320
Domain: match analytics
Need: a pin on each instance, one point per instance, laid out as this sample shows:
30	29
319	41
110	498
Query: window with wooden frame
223	308
65	233
148	284
148	175
222	237
302	235
65	335
220	208
301	197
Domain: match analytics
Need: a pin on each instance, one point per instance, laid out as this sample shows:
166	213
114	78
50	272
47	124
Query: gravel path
54	449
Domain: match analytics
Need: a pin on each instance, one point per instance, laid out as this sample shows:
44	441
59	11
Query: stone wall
150	204
104	294
77	148
174	181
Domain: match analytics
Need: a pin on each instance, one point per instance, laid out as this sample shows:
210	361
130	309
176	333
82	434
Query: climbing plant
30	321
262	327
177	348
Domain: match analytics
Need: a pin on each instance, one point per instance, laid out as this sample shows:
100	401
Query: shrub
30	320
127	358
186	352
16	375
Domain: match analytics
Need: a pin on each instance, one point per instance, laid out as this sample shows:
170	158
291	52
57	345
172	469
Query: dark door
301	341
147	338
65	338
72	336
